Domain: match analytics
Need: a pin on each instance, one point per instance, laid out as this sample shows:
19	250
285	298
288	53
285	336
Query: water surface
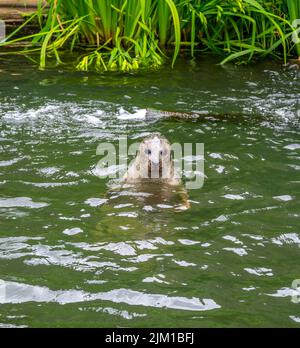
72	254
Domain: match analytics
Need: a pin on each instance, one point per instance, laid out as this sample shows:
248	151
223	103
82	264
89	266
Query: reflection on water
19	293
82	253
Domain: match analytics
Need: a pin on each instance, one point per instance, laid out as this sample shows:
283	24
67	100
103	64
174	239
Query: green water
68	260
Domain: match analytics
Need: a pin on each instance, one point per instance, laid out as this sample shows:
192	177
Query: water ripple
21	293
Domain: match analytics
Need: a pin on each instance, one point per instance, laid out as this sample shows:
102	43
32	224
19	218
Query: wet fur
154	156
153	162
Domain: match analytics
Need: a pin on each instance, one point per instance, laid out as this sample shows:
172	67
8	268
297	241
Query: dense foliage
128	34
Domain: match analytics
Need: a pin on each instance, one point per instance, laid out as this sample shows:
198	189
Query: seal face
153	169
153	161
155	153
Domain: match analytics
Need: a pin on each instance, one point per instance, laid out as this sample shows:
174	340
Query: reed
129	34
294	17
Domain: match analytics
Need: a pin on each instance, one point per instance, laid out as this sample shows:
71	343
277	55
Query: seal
154	164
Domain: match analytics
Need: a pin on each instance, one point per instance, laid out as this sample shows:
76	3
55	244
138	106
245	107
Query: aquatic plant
294	17
127	35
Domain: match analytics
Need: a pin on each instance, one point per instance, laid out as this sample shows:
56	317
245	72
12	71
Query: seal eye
148	152
161	153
